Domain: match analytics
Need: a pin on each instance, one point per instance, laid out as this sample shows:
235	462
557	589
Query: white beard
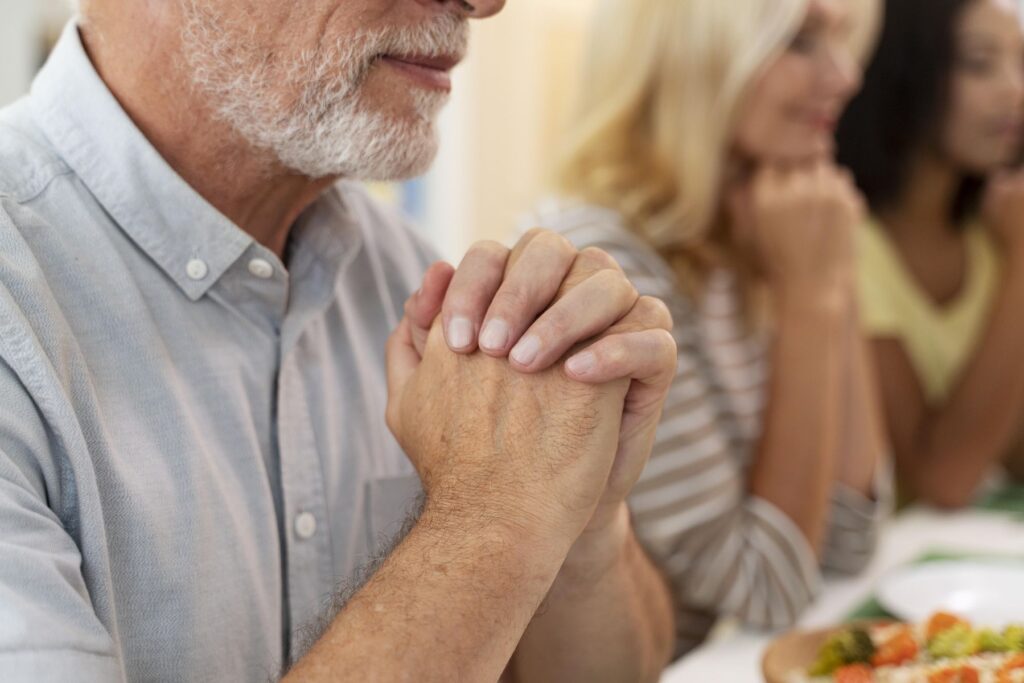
324	128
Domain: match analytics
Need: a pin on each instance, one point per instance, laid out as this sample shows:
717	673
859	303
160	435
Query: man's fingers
648	356
496	295
470	293
640	347
589	261
583	312
531	283
520	246
647	313
425	305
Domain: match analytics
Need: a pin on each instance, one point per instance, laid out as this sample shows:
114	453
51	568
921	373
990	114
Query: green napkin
1010	498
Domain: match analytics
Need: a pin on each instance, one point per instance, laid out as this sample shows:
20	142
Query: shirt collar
171	222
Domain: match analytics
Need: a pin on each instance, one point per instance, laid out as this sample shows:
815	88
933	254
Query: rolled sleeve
854	524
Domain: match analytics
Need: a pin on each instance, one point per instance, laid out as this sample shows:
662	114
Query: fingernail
460	333
495	335
526	350
581	364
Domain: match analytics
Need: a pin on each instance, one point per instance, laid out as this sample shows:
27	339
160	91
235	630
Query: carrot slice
902	647
855	673
940	621
955	674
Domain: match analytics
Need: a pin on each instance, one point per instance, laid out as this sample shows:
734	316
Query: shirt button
305	525
261	269
196	269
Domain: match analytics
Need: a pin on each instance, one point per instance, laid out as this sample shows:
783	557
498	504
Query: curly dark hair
904	101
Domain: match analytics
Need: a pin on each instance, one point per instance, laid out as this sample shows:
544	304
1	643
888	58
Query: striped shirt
727	552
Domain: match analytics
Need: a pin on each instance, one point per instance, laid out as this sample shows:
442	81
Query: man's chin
403	162
396	173
366	146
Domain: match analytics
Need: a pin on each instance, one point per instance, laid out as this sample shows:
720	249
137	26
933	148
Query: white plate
986	592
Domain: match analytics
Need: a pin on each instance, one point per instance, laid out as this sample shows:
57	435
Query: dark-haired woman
942	265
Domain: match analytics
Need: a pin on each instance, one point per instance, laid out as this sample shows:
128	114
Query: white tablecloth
736	657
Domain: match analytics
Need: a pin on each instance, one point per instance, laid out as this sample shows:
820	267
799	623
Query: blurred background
498	133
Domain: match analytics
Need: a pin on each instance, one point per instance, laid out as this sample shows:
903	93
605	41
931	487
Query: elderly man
194	308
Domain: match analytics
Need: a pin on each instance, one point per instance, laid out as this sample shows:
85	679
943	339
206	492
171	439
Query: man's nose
485	8
475	9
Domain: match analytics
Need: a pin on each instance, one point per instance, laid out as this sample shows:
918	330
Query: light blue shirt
193	451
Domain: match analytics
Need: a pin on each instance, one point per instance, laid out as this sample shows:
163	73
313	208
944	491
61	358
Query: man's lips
439	62
429	72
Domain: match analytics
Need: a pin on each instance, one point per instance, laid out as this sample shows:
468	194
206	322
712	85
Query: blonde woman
701	160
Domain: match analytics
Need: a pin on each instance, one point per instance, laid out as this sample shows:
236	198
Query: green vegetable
846	647
956	641
988	640
1014	636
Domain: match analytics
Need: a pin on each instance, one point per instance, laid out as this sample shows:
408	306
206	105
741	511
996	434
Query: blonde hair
664	82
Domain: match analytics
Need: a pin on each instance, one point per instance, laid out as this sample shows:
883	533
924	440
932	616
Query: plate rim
1015	562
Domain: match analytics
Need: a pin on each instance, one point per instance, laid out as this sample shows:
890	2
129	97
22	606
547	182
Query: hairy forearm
796	458
608	617
449	604
957	444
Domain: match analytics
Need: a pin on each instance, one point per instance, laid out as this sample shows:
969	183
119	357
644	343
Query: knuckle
614	283
629	290
614	355
532	234
654	312
598	259
488	251
552	241
666	344
511	297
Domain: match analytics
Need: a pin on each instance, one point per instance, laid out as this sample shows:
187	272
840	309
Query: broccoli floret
1014	637
988	640
846	647
956	641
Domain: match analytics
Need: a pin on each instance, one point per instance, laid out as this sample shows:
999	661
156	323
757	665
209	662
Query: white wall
19	47
25	27
510	102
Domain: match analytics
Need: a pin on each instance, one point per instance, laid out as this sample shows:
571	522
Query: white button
305	525
261	269
196	269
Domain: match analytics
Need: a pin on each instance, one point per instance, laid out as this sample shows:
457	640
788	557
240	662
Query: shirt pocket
390	502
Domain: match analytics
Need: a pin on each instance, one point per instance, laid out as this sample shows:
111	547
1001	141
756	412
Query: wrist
597	551
533	533
832	299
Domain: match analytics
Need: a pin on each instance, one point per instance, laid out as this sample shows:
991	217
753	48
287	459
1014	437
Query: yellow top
938	339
